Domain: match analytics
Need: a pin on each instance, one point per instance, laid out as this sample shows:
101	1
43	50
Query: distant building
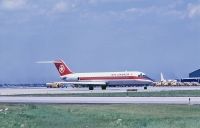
196	79
193	77
195	74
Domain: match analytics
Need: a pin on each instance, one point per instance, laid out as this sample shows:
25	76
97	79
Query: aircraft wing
83	83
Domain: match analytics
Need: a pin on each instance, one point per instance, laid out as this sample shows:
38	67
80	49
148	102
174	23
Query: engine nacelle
55	85
71	79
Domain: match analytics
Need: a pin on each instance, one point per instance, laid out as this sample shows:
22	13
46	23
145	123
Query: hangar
195	74
193	77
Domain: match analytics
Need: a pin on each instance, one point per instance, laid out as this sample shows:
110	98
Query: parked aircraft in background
102	79
164	82
162	79
182	82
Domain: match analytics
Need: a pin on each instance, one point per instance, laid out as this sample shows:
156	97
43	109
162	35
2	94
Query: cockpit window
140	75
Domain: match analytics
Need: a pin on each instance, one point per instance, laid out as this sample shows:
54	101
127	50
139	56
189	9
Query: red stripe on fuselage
111	78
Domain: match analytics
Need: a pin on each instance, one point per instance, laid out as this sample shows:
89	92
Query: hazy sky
152	36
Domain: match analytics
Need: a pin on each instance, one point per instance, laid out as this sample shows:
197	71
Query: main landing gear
91	87
103	87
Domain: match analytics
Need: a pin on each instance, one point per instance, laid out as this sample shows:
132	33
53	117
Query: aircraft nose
150	80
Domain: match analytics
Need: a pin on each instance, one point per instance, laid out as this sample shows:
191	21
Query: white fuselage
111	78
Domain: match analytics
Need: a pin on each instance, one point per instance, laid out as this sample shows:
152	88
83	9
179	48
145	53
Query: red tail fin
62	68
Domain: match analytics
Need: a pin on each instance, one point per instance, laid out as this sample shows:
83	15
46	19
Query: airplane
102	79
165	82
162	79
176	82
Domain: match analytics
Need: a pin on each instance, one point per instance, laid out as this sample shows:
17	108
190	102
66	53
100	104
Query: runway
24	91
101	100
43	90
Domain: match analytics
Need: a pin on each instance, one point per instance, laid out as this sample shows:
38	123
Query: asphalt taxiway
9	95
102	100
43	90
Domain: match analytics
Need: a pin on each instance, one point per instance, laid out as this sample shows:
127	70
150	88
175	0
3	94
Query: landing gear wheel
103	87
91	87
